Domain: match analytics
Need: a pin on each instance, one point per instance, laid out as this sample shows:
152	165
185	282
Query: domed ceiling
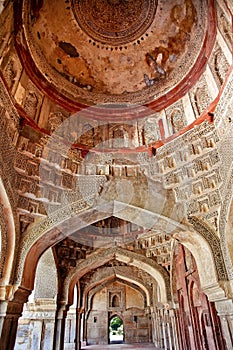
116	51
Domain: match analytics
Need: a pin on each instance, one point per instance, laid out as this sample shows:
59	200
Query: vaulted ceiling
115	51
95	167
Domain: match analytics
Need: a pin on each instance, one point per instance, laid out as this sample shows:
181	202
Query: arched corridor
106	293
116	180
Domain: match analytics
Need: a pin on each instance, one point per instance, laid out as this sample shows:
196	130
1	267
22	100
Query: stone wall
130	309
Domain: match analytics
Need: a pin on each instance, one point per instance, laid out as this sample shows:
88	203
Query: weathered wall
130	310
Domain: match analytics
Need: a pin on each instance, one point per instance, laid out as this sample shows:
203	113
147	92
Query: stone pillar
59	330
48	335
225	312
13	312
165	337
158	328
174	329
149	316
36	331
78	329
83	329
3	310
70	331
36	326
164	329
154	327
170	339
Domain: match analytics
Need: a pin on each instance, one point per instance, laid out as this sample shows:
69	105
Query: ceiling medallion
114	22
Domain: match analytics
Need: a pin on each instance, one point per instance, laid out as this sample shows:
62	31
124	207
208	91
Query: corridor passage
136	346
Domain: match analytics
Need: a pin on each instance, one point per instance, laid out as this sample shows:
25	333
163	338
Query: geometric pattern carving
214	243
109	23
219	65
200	96
224	25
157	246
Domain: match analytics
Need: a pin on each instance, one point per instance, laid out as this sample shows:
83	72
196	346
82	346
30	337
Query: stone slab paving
135	346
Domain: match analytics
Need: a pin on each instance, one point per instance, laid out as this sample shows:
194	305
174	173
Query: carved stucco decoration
190	165
223	122
225	115
68	254
3	235
219	65
215	245
200	96
224	24
9	125
156	245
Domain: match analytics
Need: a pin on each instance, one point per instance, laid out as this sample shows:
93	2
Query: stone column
10	323
83	329
170	339
166	346
70	330
174	329
155	327
149	316
48	334
59	331
159	336
3	310
225	312
169	330
36	331
78	329
36	326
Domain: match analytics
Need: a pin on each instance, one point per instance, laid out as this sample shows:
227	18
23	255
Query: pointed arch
210	267
132	282
38	239
214	244
95	260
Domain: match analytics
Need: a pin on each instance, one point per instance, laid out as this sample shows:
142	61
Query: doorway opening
116	330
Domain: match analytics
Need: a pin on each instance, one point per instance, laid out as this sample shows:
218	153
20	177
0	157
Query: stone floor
135	346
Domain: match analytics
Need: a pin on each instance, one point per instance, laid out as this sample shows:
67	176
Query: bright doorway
116	330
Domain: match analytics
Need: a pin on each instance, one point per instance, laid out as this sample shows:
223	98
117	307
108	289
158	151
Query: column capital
224	307
7	291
